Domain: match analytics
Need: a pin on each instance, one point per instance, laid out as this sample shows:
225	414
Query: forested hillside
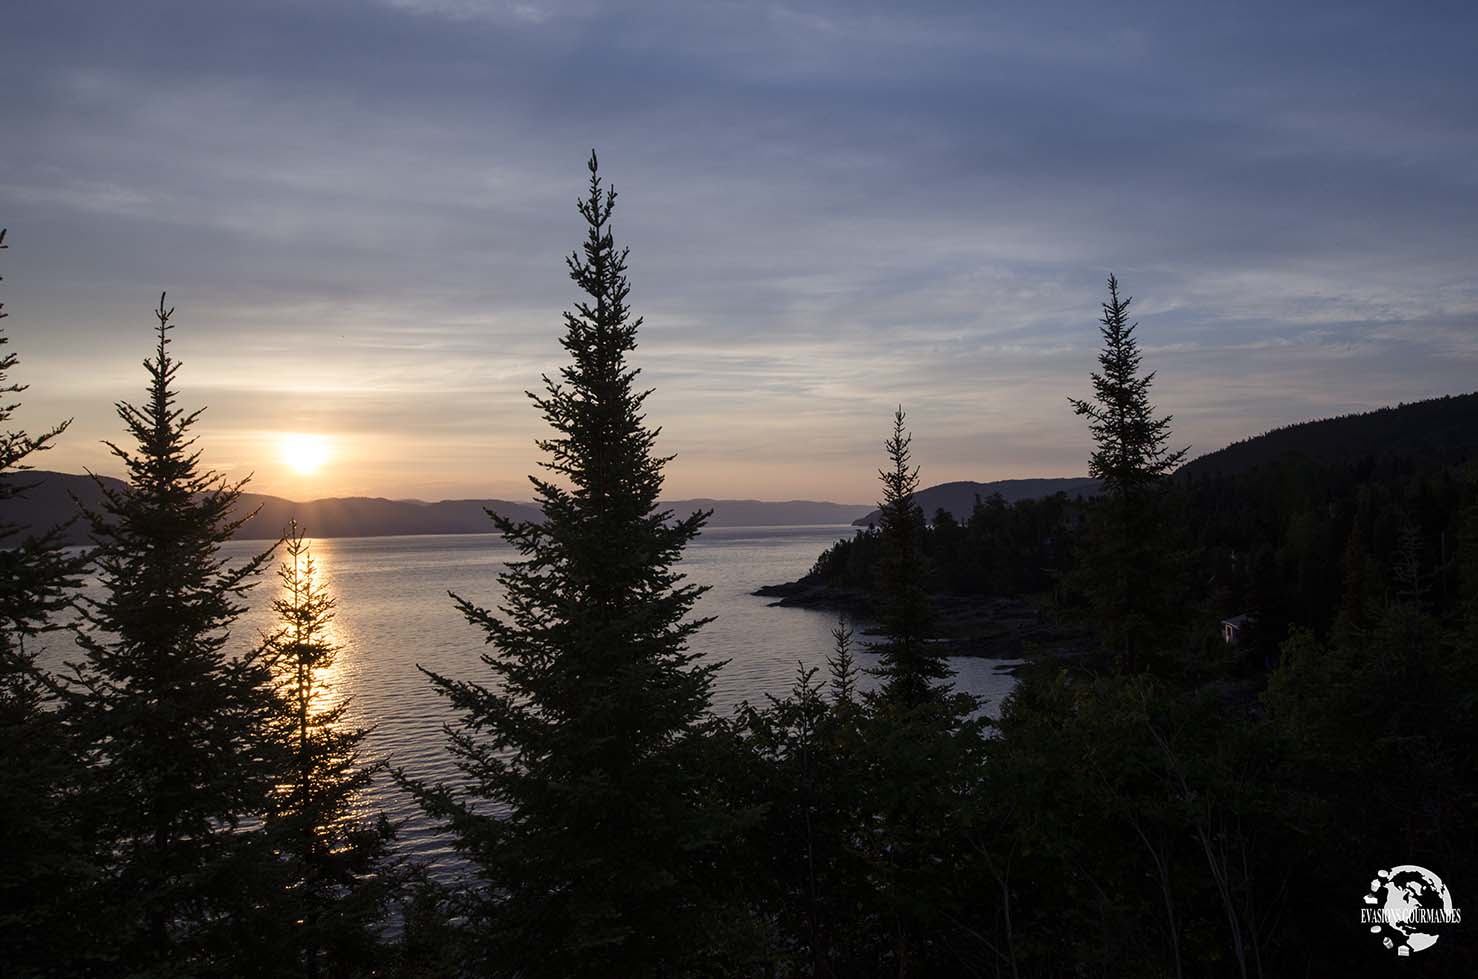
958	499
1305	521
1284	526
1423	433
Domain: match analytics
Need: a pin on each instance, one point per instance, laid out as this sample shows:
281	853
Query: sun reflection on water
332	680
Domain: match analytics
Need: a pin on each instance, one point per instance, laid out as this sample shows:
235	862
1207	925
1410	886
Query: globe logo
1408	906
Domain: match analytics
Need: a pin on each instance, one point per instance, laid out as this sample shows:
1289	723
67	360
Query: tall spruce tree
919	744
41	860
338	880
176	723
910	669
1127	569
591	740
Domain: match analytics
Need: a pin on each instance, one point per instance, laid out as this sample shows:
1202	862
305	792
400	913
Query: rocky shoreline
989	627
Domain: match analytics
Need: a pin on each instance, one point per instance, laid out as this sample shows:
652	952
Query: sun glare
304	453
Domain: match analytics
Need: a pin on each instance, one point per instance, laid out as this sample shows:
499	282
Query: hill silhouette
49	502
1437	431
958	498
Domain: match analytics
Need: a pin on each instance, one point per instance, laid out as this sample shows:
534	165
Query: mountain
1438	431
360	516
763	513
1435	432
49	503
959	498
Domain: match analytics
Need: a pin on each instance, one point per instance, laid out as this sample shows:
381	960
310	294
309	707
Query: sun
305	454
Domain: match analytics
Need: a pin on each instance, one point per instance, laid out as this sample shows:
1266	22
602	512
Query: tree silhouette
41	860
841	666
909	669
592	736
175	724
337	878
918	742
1126	570
35	575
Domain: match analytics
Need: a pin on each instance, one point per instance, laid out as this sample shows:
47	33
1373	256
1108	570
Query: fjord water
394	614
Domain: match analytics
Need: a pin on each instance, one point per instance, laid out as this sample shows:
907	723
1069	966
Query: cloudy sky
360	210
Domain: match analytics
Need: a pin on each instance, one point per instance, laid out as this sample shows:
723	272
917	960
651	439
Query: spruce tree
176	723
591	737
36	575
920	743
1127	571
841	665
41	859
910	669
337	878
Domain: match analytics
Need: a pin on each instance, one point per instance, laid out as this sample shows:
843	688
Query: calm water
394	614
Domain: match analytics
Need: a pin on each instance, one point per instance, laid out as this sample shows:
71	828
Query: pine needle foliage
586	808
40	856
175	723
339	880
841	666
911	672
1128	566
1131	445
36	576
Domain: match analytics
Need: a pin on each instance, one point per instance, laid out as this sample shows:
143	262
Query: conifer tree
841	665
909	669
338	880
40	857
920	742
36	576
1126	573
176	723
592	735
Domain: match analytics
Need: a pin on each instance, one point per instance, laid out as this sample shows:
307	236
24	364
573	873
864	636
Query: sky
361	211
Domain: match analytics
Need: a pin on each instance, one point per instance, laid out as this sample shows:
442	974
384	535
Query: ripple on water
394	615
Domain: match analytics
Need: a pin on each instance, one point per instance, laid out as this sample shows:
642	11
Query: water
394	615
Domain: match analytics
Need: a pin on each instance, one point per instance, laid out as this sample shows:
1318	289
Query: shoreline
977	626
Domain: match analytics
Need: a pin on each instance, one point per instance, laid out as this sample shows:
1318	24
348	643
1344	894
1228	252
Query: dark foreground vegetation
182	802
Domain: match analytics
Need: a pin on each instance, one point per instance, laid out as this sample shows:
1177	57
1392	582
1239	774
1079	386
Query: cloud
362	210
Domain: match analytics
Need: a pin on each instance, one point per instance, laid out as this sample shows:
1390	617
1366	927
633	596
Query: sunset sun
304	454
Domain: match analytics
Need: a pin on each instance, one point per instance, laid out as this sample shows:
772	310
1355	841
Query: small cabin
1233	629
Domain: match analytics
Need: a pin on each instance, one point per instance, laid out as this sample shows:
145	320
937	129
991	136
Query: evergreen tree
909	668
920	745
176	725
40	856
592	737
36	576
842	666
338	880
810	782
1128	570
1402	690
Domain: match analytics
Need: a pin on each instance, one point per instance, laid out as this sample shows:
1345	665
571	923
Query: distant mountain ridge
1441	429
49	503
958	498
